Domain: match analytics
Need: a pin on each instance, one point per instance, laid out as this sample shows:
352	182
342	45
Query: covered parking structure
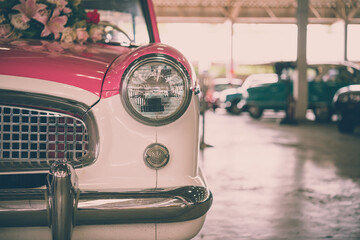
300	12
256	11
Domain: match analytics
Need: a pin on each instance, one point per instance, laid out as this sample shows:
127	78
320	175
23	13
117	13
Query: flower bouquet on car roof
62	20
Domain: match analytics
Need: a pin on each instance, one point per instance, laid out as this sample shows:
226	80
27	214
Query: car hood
82	66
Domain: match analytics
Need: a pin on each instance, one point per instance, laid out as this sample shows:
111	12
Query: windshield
123	21
119	22
335	73
222	87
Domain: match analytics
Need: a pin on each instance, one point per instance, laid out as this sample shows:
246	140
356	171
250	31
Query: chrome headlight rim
165	59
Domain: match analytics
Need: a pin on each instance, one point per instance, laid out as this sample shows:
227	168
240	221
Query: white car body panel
123	140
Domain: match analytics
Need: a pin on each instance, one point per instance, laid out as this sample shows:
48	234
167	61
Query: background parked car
218	85
347	106
230	98
324	80
99	125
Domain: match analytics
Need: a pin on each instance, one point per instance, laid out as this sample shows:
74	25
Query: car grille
33	139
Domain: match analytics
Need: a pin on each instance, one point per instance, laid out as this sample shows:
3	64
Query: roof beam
270	12
255	11
315	12
234	12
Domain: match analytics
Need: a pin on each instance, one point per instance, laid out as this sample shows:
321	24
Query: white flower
17	22
2	18
76	2
68	35
58	3
61	5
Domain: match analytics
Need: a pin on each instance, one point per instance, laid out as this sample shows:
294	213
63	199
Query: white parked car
217	86
230	98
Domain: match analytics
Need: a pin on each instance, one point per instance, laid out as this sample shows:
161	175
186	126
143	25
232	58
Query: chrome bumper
61	206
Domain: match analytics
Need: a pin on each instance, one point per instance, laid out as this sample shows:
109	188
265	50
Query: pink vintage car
99	125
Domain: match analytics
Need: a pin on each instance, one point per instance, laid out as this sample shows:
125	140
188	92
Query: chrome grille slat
33	139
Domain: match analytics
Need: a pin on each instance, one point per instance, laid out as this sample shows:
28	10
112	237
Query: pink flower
19	43
4	30
43	16
25	45
67	10
96	33
78	48
55	25
29	9
52	47
82	35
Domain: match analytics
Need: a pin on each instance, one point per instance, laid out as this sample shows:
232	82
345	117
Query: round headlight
156	90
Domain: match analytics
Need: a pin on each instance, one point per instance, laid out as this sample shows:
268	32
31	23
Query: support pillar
300	82
345	39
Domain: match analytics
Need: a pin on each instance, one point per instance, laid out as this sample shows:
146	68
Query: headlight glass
156	90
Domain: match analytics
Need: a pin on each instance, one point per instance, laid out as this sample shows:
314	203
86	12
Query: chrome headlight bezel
162	59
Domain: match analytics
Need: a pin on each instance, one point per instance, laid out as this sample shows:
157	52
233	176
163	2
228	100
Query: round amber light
156	156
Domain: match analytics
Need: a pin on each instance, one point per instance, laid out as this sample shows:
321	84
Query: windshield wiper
131	45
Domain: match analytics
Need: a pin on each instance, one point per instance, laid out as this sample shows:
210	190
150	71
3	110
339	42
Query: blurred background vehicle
323	81
230	98
347	106
217	86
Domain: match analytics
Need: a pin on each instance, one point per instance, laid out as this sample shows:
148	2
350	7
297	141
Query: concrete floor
273	181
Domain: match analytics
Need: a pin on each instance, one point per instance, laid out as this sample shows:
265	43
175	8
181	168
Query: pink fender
83	68
153	21
112	83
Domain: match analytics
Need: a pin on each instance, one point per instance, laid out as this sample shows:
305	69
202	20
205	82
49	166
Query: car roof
217	81
354	87
312	63
262	76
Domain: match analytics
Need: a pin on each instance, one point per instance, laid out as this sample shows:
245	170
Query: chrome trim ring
156	156
162	59
33	137
29	207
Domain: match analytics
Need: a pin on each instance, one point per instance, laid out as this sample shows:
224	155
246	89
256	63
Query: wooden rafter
271	11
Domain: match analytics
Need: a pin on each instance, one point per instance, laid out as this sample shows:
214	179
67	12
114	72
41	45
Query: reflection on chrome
28	207
62	205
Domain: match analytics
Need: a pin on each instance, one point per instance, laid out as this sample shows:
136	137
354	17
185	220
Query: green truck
323	81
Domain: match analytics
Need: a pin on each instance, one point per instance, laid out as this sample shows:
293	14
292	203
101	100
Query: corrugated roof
255	11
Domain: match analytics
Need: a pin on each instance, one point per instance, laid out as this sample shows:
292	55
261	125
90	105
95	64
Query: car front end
229	99
99	140
347	106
